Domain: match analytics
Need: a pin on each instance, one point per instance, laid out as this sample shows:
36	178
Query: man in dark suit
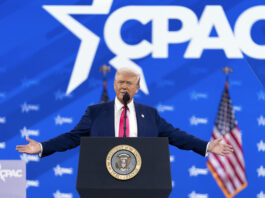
107	120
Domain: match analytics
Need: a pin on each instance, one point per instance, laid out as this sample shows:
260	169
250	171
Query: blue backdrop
47	51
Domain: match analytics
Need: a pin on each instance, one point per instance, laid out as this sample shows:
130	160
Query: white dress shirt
130	114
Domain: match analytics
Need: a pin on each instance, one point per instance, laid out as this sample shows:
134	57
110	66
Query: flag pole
227	70
104	69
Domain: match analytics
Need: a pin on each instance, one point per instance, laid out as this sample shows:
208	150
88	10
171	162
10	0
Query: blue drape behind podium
181	76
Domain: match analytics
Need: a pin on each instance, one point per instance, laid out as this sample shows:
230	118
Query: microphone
126	98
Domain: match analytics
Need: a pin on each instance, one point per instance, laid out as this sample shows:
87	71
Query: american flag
229	171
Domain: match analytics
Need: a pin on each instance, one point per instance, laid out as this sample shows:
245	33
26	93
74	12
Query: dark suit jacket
98	121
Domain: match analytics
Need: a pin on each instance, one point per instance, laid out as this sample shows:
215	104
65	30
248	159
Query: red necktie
121	127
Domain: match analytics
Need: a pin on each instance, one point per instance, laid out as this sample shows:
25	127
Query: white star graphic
24	132
24	107
58	171
58	194
261	121
89	41
2	120
261	195
193	194
261	145
261	171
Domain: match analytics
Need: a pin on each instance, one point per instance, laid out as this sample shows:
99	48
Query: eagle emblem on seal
123	161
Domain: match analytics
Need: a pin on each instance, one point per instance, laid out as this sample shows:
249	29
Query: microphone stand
125	116
125	98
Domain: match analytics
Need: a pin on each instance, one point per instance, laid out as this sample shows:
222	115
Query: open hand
32	148
219	148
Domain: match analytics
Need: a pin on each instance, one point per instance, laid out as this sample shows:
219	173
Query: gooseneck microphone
126	98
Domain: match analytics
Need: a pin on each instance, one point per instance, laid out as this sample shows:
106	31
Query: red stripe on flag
234	170
235	155
219	180
236	140
226	172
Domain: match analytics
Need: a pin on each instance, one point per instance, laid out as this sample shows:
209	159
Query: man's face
125	82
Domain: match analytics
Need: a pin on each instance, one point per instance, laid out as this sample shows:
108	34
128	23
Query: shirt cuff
41	150
206	152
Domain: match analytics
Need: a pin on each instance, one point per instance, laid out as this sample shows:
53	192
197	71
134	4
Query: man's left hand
219	148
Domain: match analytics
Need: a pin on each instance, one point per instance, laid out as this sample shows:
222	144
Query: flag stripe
218	179
233	156
238	171
236	140
237	151
238	135
234	172
225	169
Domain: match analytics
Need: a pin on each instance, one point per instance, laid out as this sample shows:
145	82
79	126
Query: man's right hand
32	148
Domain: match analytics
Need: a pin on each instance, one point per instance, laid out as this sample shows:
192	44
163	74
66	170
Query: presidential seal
123	162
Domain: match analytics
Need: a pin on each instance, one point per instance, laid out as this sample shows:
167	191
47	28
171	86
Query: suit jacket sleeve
70	139
180	138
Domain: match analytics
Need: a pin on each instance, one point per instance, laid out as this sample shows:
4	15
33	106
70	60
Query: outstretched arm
186	141
60	143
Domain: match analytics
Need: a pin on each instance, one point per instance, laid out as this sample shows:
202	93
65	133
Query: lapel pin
142	115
